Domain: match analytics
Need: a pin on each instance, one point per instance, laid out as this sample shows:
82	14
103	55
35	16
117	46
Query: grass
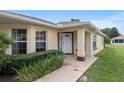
109	67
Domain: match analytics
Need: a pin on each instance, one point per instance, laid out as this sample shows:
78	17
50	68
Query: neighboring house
31	34
118	40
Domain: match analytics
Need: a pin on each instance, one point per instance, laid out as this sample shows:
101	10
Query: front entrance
65	42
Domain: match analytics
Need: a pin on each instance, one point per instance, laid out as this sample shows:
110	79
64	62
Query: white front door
66	42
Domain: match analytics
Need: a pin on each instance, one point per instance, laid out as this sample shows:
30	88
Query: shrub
41	68
16	62
2	61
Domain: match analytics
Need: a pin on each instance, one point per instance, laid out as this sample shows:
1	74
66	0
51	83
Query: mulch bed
8	78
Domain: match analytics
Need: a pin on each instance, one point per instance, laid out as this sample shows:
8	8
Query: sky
101	18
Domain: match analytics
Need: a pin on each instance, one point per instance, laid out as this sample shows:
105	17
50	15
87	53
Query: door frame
71	40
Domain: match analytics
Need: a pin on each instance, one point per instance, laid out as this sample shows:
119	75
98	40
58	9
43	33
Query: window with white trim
120	41
20	44
116	41
113	41
94	41
40	41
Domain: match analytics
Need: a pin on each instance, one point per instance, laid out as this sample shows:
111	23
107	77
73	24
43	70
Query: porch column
81	45
91	43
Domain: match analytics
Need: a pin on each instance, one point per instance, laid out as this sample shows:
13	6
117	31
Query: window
40	41
94	41
113	41
116	41
120	41
20	44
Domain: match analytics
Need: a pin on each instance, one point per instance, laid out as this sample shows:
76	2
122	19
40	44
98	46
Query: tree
4	42
106	31
110	32
114	33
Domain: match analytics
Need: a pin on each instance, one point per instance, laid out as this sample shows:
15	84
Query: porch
76	42
71	71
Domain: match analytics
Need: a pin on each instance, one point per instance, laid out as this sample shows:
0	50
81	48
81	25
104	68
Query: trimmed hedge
41	68
16	62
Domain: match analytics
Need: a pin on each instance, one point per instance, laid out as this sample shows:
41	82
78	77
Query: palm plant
4	42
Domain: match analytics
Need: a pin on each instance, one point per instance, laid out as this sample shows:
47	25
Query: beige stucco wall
99	44
89	42
52	39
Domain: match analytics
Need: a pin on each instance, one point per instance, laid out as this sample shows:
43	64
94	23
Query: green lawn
109	66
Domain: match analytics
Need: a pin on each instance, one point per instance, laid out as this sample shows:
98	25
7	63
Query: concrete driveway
71	71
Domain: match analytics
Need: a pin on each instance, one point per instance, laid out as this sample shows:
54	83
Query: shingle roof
75	23
32	18
119	37
44	22
69	23
26	18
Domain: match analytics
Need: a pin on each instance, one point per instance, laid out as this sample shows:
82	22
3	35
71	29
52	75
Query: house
31	34
118	40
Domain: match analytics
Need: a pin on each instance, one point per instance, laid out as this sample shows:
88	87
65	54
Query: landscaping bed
8	78
29	67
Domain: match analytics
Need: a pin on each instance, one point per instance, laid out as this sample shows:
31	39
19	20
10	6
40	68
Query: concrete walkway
70	72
